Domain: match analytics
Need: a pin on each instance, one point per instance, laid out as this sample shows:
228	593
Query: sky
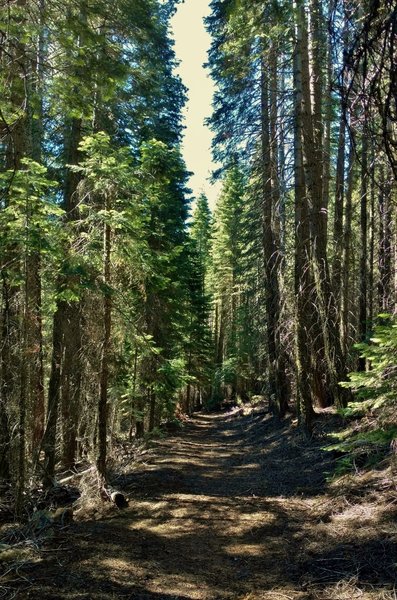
191	45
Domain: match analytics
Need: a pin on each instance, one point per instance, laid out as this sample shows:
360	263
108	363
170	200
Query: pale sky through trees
191	44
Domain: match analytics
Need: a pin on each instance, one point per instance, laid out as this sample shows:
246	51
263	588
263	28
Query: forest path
230	508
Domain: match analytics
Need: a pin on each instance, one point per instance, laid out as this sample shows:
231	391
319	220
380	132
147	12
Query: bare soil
232	507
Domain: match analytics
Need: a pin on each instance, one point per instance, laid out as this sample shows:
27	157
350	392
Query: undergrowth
370	433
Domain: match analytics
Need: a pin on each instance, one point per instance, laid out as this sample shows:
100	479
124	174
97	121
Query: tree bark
152	409
338	213
302	246
347	253
105	357
278	400
363	294
385	301
67	315
34	267
133	394
328	366
54	387
5	380
23	394
13	370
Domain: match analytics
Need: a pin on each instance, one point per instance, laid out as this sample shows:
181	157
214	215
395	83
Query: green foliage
31	216
155	434
227	374
375	438
376	392
362	450
171	378
379	382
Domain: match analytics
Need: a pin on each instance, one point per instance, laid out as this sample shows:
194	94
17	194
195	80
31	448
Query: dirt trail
231	508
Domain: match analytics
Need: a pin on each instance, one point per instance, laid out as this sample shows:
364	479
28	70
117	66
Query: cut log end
119	499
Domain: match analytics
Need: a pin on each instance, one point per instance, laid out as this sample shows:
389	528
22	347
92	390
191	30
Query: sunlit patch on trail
245	549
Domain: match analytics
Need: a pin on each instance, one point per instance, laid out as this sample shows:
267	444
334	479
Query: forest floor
232	507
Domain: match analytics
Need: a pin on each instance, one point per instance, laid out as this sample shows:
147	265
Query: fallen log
107	493
76	475
111	495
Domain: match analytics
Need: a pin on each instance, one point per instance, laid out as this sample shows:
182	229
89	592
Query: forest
128	306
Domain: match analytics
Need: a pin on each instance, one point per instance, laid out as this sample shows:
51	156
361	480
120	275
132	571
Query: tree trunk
338	213
13	344
385	301
278	225
133	394
302	248
54	385
347	254
66	322
328	366
372	226
140	420
317	261
363	295
152	409
105	357
37	399
5	380
71	382
36	351
278	400
23	395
